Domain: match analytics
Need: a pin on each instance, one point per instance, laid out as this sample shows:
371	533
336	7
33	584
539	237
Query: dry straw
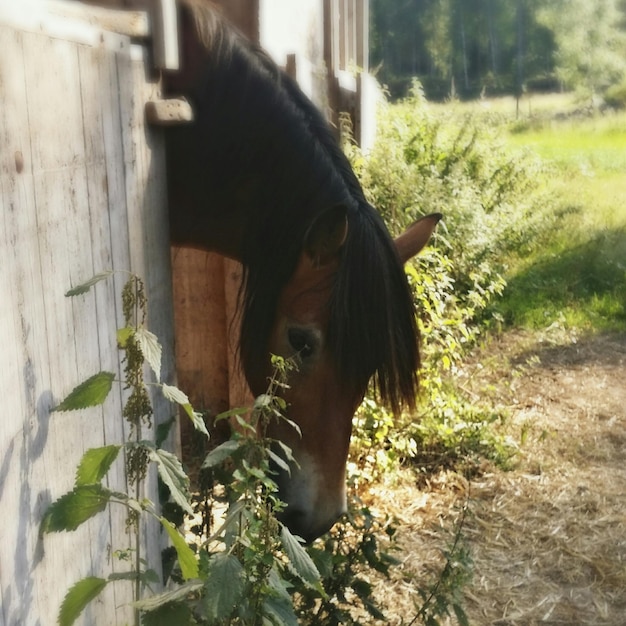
548	539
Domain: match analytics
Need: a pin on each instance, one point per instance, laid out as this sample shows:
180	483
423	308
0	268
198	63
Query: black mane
262	145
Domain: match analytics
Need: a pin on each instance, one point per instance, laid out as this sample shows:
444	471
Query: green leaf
174	394
95	464
363	590
78	597
75	508
163	431
293	425
231	413
279	605
150	348
145	577
280	610
224	586
186	557
460	615
123	335
91	392
174	595
262	402
221	453
173	614
197	420
245	425
173	475
279	461
278	584
301	563
286	450
86	286
235	512
323	560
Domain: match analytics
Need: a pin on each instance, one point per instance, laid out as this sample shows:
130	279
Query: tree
498	45
591	42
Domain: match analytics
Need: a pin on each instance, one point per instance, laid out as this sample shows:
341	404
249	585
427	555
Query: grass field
577	277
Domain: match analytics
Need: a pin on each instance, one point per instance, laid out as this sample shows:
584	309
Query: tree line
473	47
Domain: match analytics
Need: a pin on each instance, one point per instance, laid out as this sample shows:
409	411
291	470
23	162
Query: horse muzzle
312	508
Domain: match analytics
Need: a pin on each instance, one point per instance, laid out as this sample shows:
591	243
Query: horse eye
301	341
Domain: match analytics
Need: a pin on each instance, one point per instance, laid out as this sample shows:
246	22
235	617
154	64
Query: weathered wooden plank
26	419
109	224
61	201
201	330
206	295
63	197
99	102
238	391
362	34
33	16
144	161
14	332
30	482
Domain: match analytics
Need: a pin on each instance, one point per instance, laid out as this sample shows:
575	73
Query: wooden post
362	34
165	35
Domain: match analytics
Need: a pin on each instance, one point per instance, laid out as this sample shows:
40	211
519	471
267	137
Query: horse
260	177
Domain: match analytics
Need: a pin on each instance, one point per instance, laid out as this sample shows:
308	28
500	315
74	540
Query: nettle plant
90	496
250	570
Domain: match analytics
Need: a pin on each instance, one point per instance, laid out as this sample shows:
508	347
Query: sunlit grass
577	276
577	281
507	106
590	147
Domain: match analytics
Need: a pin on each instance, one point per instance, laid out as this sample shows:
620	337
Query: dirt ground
548	538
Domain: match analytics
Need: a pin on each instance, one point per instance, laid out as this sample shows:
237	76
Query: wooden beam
169	112
133	24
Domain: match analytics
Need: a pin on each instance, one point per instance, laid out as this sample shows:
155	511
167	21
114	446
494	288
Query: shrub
426	161
433	161
615	96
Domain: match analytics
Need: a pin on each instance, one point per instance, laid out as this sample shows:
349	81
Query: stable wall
81	192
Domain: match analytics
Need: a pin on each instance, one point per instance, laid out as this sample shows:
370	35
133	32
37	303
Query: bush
424	162
615	96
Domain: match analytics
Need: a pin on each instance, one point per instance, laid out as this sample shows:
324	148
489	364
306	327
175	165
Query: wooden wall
206	289
81	191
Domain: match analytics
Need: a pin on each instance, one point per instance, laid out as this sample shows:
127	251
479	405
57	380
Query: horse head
318	399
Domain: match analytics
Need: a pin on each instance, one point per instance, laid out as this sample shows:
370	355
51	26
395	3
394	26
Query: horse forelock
373	329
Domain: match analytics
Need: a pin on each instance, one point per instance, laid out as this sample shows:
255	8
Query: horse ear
416	236
326	236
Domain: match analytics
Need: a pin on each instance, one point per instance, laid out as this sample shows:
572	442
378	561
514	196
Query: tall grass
594	145
576	275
